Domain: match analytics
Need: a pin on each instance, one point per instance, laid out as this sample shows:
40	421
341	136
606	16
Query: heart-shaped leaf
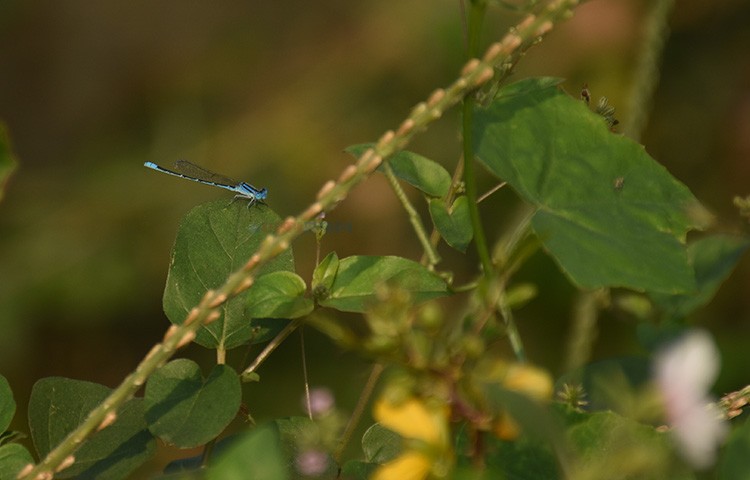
185	410
606	211
214	240
58	405
454	226
278	295
358	277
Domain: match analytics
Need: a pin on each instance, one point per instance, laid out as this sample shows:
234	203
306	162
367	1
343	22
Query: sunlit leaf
606	211
13	458
278	295
214	240
186	410
358	277
58	405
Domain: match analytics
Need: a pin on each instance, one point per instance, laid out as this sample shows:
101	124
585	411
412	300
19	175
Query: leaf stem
272	345
476	14
359	409
471	188
414	219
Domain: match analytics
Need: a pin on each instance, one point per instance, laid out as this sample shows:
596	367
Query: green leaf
454	226
530	456
534	418
733	464
713	259
606	211
7	404
324	275
420	172
608	443
58	405
13	458
257	455
214	240
358	277
357	470
184	409
7	160
278	295
381	445
520	459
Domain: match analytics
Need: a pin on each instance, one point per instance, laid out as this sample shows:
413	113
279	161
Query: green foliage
379	445
454	404
278	295
58	405
608	442
354	288
607	213
454	223
521	459
215	239
13	457
186	410
734	462
257	455
324	275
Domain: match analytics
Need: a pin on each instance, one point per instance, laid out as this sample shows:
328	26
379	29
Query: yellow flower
425	430
408	466
532	381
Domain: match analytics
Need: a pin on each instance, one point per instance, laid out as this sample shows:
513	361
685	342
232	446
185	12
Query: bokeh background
271	92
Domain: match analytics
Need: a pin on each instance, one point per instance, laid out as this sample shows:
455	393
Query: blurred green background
271	92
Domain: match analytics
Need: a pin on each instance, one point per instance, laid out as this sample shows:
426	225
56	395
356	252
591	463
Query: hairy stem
416	222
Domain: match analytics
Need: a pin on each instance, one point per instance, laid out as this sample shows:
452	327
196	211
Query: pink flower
685	370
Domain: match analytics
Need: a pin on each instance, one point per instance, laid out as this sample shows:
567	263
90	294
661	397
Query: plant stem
647	71
416	222
476	14
584	331
364	398
272	345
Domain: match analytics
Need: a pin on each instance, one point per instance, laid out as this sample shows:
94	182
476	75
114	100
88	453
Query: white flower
685	371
